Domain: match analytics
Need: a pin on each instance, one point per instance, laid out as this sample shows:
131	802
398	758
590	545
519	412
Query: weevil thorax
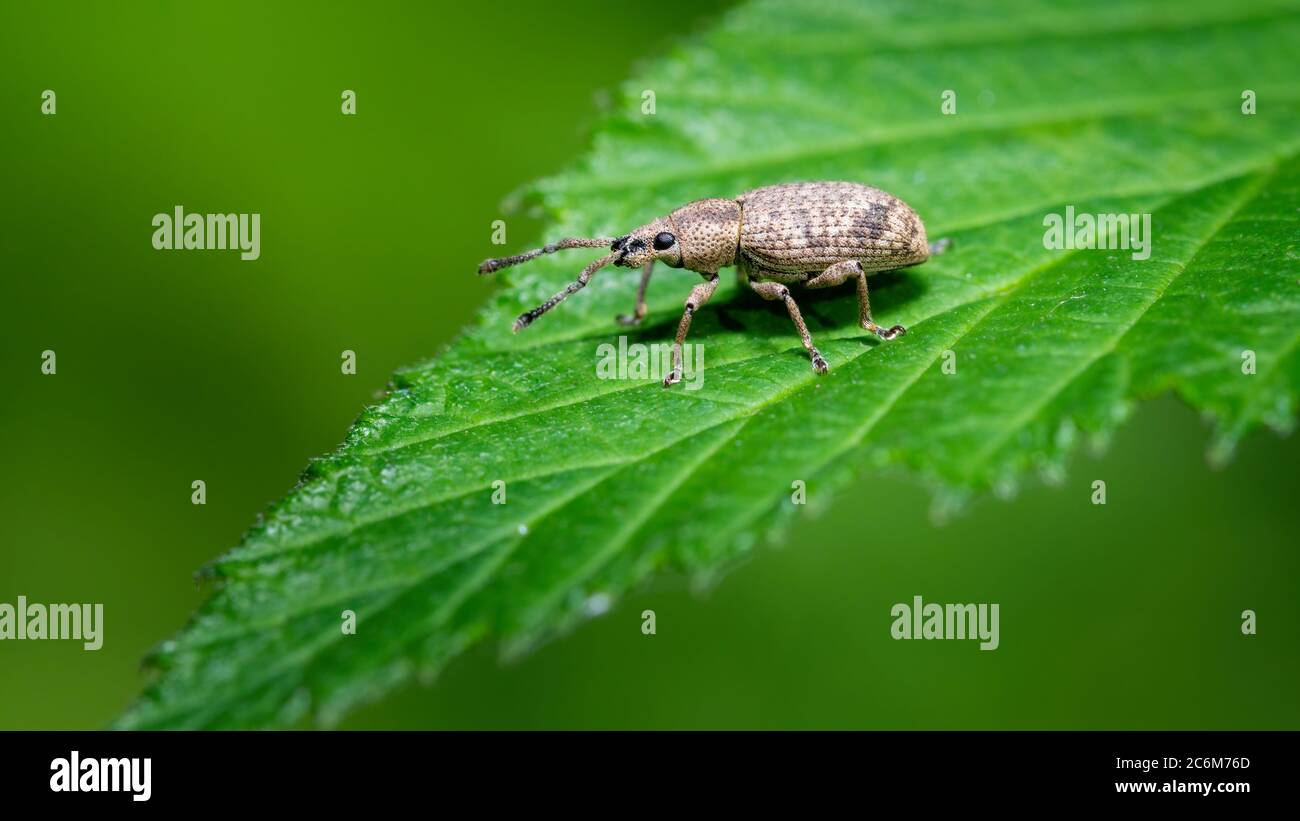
700	236
708	232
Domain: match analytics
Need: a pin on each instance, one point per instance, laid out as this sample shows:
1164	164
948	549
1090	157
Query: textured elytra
806	227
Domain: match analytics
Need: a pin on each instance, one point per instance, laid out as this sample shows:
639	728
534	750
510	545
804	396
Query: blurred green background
181	366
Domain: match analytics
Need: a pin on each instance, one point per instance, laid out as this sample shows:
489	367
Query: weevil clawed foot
940	245
673	378
630	320
884	333
818	364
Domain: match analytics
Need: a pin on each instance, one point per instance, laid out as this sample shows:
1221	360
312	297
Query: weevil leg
940	245
777	291
700	294
837	274
852	269
638	313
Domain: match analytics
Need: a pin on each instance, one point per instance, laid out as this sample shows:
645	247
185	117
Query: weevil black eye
618	243
664	241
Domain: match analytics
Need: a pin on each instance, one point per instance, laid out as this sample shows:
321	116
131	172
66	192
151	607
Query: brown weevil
815	233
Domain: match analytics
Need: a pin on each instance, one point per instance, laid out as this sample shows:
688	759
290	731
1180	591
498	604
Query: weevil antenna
490	266
526	319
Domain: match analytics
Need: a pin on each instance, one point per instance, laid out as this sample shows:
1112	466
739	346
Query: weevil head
652	241
701	236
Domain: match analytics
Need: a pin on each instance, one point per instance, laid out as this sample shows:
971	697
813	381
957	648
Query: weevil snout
627	246
654	242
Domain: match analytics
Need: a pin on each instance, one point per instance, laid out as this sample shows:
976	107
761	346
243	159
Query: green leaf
1110	107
